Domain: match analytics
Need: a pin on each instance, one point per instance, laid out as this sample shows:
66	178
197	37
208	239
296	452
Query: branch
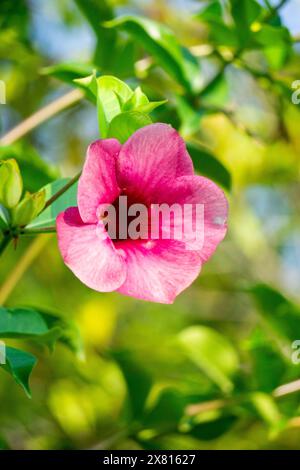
41	116
23	263
62	190
34	231
286	389
274	10
281	391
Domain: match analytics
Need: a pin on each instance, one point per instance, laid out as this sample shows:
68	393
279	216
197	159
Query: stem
6	239
281	391
213	405
268	4
274	10
62	190
41	116
23	263
286	389
34	231
224	64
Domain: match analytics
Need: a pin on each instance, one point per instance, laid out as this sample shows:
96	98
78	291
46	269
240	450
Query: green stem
274	10
62	190
6	239
34	231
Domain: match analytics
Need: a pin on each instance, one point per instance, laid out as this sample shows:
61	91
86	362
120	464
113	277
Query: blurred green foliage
114	372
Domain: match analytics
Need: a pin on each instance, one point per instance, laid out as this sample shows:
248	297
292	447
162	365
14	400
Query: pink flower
153	166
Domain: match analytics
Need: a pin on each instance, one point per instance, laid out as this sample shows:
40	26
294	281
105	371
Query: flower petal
89	253
151	157
158	270
184	162
210	216
98	183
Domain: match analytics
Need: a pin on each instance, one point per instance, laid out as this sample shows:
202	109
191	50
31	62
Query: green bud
29	208
11	184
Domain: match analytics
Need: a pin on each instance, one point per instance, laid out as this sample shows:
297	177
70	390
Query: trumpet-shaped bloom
152	167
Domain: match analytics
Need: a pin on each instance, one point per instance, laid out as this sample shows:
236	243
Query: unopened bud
11	184
29	208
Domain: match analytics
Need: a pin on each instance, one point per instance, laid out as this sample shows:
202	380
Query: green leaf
96	12
137	99
89	85
208	165
223	35
19	364
267	408
21	323
120	88
244	14
276	43
161	42
220	33
270	36
39	326
112	93
268	365
68	199
125	57
149	107
279	313
212	12
166	413
212	352
125	124
140	102
212	429
68	71
114	97
65	331
138	381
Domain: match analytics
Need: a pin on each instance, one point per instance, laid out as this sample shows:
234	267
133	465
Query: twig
211	405
274	10
41	116
24	262
62	190
35	231
281	391
286	389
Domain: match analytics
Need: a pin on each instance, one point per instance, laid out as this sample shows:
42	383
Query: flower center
127	218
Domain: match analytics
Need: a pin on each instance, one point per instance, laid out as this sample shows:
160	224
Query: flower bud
11	184
29	208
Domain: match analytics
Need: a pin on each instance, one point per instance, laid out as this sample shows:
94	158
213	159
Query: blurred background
202	373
